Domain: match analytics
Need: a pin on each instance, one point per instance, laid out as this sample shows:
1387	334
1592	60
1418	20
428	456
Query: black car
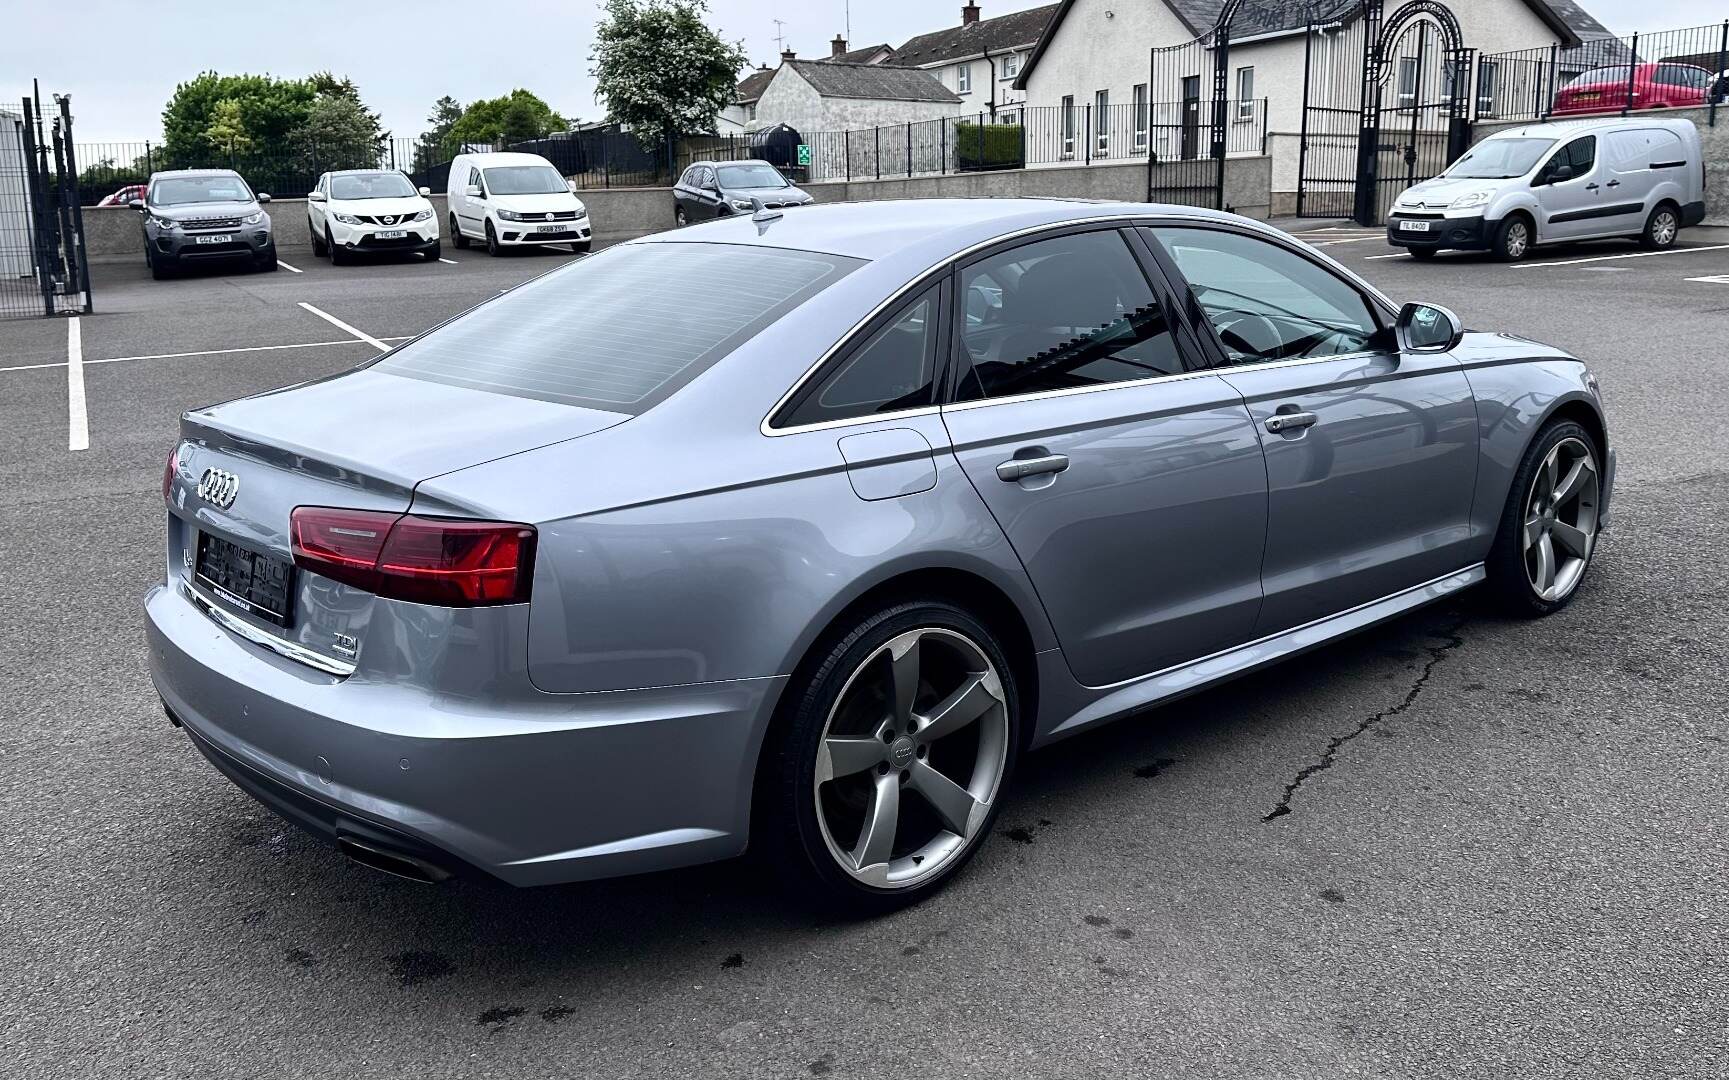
711	189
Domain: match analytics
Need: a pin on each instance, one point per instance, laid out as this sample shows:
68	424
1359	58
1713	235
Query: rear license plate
220	239
1591	96
391	234
259	584
1414	226
552	228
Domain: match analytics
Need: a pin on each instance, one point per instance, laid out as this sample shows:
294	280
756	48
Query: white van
1636	177
510	200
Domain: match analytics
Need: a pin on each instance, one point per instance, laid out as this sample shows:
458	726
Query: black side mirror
1428	328
136	204
1559	173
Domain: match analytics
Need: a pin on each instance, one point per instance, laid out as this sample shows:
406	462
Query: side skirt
1175	682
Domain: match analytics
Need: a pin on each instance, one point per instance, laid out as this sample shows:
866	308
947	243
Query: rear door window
623	329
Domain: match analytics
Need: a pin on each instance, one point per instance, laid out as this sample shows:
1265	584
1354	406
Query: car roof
877	230
1559	129
192	172
365	172
501	157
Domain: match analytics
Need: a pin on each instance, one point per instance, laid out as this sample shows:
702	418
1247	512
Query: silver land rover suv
191	215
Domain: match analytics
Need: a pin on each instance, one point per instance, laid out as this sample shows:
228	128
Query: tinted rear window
623	329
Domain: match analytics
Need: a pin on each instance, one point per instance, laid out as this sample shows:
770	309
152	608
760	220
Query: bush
989	146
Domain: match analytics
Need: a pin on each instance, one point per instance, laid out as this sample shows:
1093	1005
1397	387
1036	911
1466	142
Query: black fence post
979	163
909	150
846	137
1632	69
80	252
1087	130
943	163
148	167
879	151
35	175
1547	104
1718	87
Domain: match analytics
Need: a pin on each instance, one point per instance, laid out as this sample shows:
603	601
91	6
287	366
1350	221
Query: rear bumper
1460	233
1693	213
548	789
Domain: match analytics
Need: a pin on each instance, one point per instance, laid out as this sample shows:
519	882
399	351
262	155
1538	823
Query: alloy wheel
1518	239
1663	228
911	759
1561	519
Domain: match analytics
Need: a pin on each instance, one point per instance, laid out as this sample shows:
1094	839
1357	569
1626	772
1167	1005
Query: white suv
511	200
370	210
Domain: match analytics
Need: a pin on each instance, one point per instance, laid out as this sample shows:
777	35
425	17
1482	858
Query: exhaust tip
395	863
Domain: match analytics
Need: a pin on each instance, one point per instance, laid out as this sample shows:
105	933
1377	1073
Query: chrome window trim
917	281
246	631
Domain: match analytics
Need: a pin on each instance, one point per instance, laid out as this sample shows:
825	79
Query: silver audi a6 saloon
796	532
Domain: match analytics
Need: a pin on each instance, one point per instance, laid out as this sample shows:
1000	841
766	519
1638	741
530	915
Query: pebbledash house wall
789	99
1106	45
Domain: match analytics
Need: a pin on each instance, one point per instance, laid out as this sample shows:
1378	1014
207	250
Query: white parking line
77	413
340	325
181	355
1394	255
452	262
290	269
1624	255
1352	240
1712	279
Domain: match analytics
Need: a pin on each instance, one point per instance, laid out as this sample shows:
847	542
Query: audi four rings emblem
218	488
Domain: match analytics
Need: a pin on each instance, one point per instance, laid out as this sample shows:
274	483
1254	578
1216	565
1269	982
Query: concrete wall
1246	185
617	214
1713	140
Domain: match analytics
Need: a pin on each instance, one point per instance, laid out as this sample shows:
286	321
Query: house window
1141	118
1066	120
1102	123
750	112
1009	117
1245	93
963	78
1486	72
1011	65
1407	82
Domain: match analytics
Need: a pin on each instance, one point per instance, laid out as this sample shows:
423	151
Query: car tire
1662	228
338	257
266	263
456	236
1512	239
1422	254
1540	536
678	217
319	247
435	252
161	269
814	823
583	247
492	247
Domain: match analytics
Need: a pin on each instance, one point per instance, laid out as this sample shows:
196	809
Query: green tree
226	132
264	109
341	133
659	68
435	144
514	117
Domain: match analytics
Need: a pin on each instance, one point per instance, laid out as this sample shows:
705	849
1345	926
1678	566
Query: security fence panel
43	264
1333	58
1608	75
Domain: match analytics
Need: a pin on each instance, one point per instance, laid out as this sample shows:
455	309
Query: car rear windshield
186	190
748	176
1601	75
525	180
374	185
620	330
1499	159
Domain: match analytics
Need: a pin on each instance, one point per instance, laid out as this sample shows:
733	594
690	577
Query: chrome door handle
1021	468
1291	421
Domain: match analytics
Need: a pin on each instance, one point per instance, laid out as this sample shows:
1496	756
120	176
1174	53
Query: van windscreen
620	330
1499	159
525	180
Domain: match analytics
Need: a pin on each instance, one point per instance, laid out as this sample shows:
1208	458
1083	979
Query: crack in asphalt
1450	641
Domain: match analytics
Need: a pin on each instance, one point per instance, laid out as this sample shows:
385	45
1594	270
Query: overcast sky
121	60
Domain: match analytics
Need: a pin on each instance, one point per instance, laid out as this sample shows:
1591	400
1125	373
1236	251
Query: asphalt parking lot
1505	851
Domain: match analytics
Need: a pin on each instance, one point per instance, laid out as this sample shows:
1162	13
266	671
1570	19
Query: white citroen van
511	200
1636	177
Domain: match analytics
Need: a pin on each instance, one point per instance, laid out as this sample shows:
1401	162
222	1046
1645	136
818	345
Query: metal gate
1385	105
43	267
1185	164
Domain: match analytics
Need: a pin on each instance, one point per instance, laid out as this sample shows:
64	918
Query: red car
124	195
1655	86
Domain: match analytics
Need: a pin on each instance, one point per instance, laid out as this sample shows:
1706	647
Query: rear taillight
169	470
451	562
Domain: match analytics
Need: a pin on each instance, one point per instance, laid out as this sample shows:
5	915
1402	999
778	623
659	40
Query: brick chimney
787	54
837	47
970	13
